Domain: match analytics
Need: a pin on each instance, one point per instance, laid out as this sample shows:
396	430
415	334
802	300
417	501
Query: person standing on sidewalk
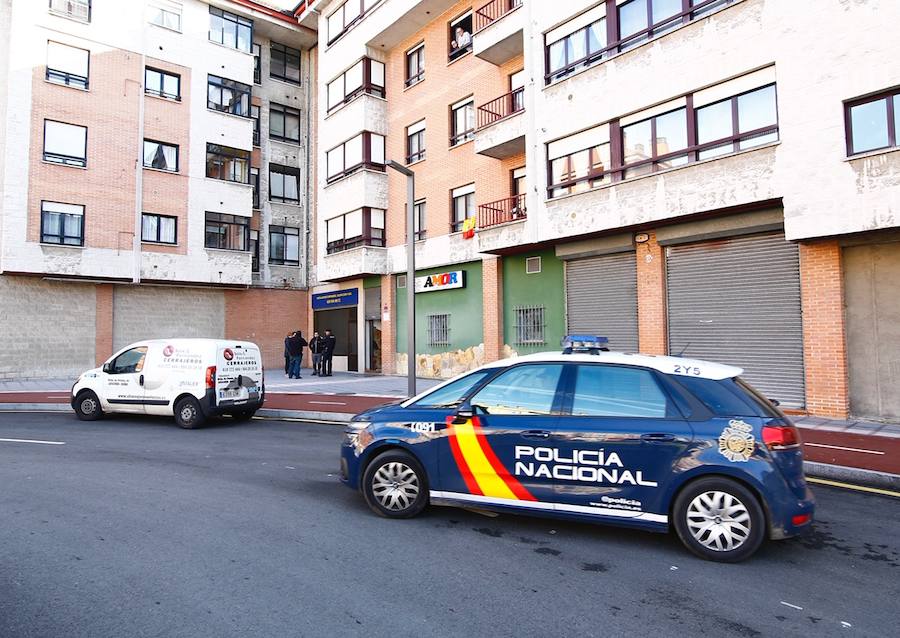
316	348
287	355
295	345
327	352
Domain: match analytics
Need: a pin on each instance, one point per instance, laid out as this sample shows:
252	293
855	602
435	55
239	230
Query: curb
35	407
339	418
870	478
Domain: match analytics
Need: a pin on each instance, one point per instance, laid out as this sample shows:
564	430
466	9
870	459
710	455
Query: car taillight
801	519
778	436
211	377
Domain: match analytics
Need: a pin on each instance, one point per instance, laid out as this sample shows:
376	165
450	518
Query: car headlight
358	436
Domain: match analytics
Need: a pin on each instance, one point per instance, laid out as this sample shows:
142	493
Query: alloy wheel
718	520
395	486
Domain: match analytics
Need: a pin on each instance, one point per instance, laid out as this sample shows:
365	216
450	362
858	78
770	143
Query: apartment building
154	169
710	177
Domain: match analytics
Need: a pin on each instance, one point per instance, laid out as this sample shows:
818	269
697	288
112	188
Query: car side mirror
107	367
464	413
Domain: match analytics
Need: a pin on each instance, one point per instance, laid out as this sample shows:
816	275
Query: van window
617	392
129	361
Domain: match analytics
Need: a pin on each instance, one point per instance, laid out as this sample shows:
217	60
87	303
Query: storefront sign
335	299
441	281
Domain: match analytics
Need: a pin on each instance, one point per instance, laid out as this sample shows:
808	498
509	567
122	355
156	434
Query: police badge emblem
736	442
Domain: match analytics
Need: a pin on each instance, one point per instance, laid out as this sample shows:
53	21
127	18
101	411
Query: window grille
529	325
438	330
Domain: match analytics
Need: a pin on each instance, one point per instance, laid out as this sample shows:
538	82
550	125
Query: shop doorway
343	325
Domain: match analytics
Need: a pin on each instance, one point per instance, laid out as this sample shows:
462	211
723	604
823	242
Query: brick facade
651	297
265	317
492	295
389	327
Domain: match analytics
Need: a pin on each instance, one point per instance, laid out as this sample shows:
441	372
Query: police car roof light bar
590	344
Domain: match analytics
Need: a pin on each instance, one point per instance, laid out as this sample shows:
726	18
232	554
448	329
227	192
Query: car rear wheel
87	406
720	520
395	485
188	414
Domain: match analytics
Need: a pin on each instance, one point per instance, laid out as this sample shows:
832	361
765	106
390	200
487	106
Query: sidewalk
855	450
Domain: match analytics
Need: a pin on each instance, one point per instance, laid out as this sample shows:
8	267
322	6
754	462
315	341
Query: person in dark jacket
295	345
327	352
316	348
287	355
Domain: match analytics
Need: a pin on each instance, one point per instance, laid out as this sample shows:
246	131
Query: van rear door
238	374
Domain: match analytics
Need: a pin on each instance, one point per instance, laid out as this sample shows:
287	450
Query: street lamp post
410	275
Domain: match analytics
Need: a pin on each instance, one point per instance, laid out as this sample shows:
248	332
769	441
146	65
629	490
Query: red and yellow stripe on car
479	466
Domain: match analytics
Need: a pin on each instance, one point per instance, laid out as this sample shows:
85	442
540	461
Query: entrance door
373	338
343	323
124	381
601	299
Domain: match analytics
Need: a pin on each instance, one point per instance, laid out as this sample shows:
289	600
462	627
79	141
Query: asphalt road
134	527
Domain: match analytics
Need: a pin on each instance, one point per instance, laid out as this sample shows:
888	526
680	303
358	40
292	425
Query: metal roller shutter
601	299
737	301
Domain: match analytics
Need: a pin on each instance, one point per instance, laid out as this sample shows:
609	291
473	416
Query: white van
191	379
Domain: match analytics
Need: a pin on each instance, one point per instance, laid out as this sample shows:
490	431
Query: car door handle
535	434
141	379
657	437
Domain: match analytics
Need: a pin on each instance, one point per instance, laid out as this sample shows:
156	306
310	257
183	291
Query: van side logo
228	354
168	351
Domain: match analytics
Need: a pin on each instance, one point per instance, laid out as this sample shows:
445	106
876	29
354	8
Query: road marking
30	441
850	486
791	606
327	402
846	449
845	624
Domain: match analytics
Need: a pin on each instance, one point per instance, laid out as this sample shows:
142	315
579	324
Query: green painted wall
372	282
545	288
463	304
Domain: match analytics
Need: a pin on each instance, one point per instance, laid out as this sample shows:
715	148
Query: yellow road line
850	486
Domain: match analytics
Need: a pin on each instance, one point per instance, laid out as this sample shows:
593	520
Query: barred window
438	330
529	325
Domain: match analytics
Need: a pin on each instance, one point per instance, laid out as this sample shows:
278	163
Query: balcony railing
494	10
503	106
502	211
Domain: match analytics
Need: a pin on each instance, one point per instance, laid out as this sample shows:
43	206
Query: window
401	281
129	362
284	183
365	150
415	64
254	182
532	265
438	330
229	164
419	210
254	115
745	121
67	65
231	30
62	224
284	123
617	392
227	232
165	13
462	206
284	246
462	122
347	15
254	251
873	123
578	163
162	84
284	63
257	64
65	143
460	36
161	156
159	229
415	142
654	143
518	182
75	9
366	76
578	49
529	324
451	394
362	227
228	96
524	389
728	397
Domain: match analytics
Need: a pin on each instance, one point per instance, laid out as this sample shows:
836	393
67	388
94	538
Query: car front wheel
395	485
87	406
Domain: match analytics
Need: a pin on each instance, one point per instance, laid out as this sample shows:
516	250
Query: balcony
501	129
498	36
350	264
510	209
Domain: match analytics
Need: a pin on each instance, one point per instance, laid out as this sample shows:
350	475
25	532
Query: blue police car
633	440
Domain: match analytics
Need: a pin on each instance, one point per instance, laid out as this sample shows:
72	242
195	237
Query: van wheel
719	519
87	406
395	485
188	414
243	415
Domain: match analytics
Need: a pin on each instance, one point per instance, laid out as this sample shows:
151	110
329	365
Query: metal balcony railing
503	106
502	211
494	10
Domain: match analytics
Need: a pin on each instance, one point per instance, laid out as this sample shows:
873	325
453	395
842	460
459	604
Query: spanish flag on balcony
468	228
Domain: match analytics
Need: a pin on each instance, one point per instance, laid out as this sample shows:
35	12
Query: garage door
601	299
737	301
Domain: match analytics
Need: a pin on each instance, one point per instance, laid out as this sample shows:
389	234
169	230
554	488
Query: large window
231	30
524	389
346	15
284	63
578	163
284	123
612	391
654	143
460	36
159	229
75	9
284	245
162	84
415	142
226	163
228	96
254	182
438	330
873	123
166	13
160	155
415	65
284	184
462	204
67	65
462	122
419	210
227	232
747	120
62	224
578	49
362	227
366	76
65	143
365	150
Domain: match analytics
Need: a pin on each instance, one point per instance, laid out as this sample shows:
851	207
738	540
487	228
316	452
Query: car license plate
229	394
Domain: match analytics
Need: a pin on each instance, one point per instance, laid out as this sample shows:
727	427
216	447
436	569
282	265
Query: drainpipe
139	164
309	185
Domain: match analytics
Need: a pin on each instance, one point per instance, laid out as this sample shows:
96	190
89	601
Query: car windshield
451	394
728	397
